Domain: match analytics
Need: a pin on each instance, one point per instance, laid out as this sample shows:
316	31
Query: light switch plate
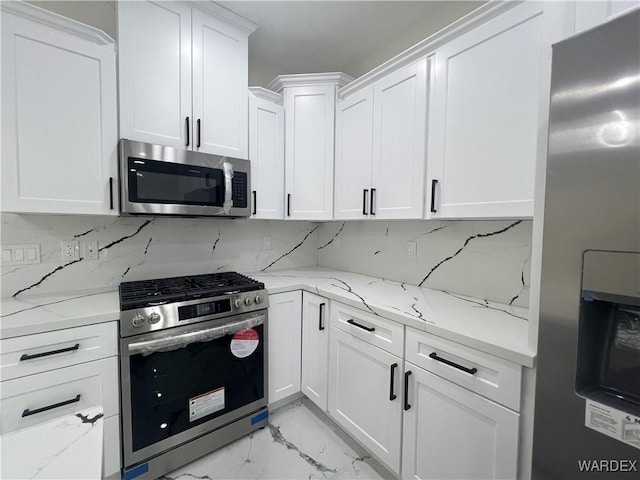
20	254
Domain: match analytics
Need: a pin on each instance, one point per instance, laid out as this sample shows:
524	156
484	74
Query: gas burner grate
144	293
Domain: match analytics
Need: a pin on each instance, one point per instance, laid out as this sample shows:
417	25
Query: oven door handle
173	342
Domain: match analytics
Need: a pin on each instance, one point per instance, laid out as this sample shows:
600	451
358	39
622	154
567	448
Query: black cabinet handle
373	194
186	120
321	317
288	204
392	381
110	193
199	133
255	202
406	390
46	354
434	182
28	412
355	324
365	192
470	371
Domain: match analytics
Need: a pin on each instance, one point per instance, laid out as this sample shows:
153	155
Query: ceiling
330	36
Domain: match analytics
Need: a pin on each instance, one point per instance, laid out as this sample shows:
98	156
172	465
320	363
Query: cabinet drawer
378	331
487	375
61	348
91	383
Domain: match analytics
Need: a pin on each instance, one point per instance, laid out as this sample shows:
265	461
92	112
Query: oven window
179	389
151	181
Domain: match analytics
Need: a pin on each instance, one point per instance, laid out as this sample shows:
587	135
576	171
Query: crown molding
429	45
53	20
225	14
309	79
267	95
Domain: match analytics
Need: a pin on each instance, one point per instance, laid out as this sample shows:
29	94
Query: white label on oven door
614	423
244	343
206	404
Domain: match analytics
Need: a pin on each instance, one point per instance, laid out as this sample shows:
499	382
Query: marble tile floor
300	443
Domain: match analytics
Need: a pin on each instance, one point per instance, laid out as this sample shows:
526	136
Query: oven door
181	383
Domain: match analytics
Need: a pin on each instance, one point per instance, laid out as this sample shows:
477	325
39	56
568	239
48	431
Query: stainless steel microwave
159	180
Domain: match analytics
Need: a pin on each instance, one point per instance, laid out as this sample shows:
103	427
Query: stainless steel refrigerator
587	410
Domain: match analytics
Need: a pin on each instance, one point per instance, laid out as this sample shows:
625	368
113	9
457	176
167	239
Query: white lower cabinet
315	346
453	433
284	331
364	395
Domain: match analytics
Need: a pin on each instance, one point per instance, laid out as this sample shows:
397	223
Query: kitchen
464	279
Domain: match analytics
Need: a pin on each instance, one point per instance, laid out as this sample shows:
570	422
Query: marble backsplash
484	259
132	248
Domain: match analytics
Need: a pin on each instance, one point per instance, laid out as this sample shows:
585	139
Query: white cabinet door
484	127
594	13
399	136
220	81
354	140
154	41
309	124
59	122
266	152
360	389
452	433
315	346
284	330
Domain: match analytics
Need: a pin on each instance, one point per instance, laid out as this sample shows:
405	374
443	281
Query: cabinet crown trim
429	45
308	79
225	14
59	22
267	95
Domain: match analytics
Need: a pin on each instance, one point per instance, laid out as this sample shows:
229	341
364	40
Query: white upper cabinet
354	142
399	133
183	77
594	13
309	123
59	120
484	121
266	152
380	147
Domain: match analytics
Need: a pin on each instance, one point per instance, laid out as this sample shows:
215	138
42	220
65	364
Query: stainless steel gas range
193	358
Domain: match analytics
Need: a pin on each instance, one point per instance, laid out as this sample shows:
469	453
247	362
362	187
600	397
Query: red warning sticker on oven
206	404
244	343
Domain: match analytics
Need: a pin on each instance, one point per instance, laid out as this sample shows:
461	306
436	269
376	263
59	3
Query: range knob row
248	301
138	320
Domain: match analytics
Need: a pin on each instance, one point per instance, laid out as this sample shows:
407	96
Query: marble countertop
29	314
494	328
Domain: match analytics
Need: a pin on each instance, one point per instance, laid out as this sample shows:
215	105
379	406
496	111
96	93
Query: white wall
99	14
143	248
484	259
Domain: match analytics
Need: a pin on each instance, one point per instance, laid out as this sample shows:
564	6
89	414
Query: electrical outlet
70	250
266	242
412	249
90	250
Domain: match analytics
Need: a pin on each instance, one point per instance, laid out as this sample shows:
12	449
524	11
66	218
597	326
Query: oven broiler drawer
34	399
38	353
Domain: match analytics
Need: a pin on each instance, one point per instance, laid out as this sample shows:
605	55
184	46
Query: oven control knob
258	299
138	320
237	303
248	301
154	317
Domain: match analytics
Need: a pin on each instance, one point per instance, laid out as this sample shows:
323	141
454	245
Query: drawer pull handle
392	395
470	371
321	316
406	390
52	352
28	412
368	329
